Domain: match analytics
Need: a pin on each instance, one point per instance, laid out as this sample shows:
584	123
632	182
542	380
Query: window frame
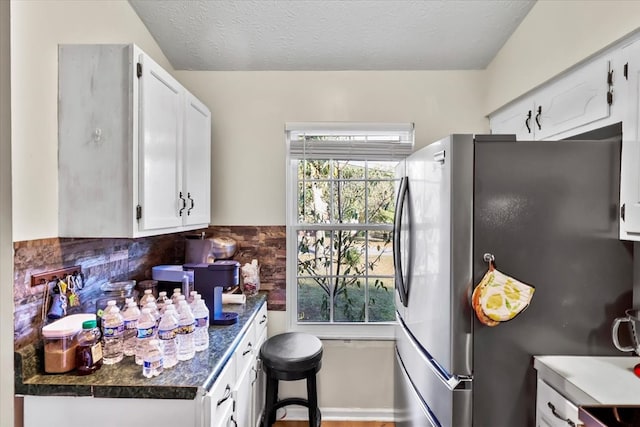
326	330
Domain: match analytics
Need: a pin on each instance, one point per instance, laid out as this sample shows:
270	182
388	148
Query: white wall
38	26
6	248
249	110
554	36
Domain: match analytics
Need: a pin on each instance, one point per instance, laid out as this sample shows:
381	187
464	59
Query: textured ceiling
331	34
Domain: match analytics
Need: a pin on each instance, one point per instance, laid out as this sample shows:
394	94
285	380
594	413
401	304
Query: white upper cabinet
134	146
566	105
630	169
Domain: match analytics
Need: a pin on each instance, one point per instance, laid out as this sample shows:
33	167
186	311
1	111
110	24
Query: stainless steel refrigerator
548	212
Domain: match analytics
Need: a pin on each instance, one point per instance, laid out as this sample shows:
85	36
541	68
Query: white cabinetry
553	409
134	146
568	104
630	173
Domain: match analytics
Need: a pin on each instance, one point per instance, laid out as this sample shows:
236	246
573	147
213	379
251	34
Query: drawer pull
226	396
264	319
255	378
558	416
248	350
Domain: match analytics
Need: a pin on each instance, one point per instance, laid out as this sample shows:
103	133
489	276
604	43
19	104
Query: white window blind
350	141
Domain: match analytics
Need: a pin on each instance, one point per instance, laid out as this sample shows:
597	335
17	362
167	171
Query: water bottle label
146	332
131	324
113	331
152	364
187	329
167	334
202	322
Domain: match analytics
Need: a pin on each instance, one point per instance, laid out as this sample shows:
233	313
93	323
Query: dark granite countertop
124	380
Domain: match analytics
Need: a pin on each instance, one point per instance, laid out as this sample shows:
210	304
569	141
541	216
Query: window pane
380	260
349	169
381	300
348	253
349	303
314	169
313	300
314	253
380	202
348	202
312	202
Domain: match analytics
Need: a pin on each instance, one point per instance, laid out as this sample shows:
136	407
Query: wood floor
335	424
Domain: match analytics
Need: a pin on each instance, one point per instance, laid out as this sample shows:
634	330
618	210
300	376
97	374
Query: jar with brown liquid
89	350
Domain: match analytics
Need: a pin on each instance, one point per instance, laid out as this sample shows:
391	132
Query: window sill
370	332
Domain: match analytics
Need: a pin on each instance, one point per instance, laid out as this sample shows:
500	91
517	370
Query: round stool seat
292	352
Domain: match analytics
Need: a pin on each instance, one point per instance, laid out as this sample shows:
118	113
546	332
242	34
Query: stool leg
312	397
269	416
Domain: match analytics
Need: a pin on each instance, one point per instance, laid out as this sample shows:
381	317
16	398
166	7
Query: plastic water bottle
146	332
161	301
152	359
192	296
112	334
151	305
187	328
131	314
147	297
201	314
167	333
174	296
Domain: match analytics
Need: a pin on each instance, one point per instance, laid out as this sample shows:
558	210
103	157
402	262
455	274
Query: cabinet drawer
219	399
261	320
554	409
245	350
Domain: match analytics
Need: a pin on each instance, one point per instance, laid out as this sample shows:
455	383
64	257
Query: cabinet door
243	413
160	162
574	100
258	384
516	118
219	400
630	171
197	162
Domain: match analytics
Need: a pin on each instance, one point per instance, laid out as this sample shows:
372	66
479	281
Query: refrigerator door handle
401	285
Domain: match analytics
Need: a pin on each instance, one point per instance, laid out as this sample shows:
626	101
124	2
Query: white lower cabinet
219	400
553	409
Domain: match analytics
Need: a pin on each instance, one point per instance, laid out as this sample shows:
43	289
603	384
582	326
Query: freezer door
447	398
439	202
410	409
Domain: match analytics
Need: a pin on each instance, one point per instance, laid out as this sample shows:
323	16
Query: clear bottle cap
162	293
146	310
147	291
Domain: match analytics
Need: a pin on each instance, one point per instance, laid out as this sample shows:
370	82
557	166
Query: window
341	200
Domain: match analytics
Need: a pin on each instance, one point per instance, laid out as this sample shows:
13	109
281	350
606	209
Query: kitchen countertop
125	380
592	380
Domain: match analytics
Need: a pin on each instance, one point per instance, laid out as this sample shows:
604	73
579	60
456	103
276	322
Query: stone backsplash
104	260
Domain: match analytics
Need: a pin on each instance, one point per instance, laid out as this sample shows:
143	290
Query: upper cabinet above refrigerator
134	146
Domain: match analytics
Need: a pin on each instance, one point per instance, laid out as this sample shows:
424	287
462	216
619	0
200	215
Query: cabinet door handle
527	122
538	114
226	396
248	350
558	416
255	378
193	204
264	319
184	203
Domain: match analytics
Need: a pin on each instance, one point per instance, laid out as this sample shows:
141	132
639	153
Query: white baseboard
337	414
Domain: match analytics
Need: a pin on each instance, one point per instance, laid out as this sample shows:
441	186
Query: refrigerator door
446	399
411	410
439	202
547	211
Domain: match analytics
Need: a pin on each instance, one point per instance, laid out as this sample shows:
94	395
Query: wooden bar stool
288	357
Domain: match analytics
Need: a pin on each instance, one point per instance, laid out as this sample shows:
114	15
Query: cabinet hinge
609	97
622	211
138	212
625	71
139	70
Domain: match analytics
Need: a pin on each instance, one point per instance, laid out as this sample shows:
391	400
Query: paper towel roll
234	298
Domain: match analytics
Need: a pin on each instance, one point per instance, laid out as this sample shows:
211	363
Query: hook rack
50	276
488	257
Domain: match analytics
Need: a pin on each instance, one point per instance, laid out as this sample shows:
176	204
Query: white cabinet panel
197	161
630	169
161	98
516	119
553	409
574	100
